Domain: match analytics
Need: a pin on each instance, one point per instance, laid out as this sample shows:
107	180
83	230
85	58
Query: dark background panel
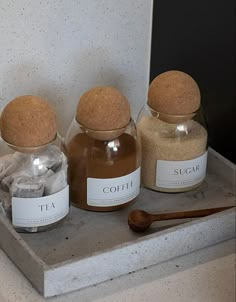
198	37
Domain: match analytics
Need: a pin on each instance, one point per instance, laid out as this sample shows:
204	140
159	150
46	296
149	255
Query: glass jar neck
173	118
167	115
29	149
103	134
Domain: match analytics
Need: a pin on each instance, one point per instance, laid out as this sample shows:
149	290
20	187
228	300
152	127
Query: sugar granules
165	141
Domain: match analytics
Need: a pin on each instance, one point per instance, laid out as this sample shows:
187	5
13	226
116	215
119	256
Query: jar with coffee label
173	134
34	192
103	149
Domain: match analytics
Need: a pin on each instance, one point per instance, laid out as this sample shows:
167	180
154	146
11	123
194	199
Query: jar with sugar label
173	134
103	150
34	192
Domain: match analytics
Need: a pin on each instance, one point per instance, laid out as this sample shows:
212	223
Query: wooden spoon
140	220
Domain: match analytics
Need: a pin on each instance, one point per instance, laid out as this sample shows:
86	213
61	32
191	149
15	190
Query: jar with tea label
173	134
34	192
103	150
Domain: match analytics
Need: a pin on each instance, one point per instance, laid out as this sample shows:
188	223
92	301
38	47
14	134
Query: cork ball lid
28	121
174	92
103	108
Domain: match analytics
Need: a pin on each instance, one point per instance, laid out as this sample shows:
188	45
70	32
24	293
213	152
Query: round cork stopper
104	111
28	121
175	93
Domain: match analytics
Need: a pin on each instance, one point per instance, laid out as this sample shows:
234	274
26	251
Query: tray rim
53	273
139	240
45	271
214	156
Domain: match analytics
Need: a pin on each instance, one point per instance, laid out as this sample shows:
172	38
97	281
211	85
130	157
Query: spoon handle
188	214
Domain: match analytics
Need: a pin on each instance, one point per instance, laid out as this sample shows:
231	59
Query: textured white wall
58	49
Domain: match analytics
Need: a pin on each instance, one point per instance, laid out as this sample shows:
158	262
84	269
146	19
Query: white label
181	174
40	211
105	192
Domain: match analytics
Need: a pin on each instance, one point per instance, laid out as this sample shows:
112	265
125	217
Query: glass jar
174	150
34	192
103	166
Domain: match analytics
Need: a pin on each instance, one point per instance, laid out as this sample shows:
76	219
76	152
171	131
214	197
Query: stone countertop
205	275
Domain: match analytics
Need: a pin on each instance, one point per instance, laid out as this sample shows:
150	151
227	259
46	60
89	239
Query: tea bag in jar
103	151
173	134
30	197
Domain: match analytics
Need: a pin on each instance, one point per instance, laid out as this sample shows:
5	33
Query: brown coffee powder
88	157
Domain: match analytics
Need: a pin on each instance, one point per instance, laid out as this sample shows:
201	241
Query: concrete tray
93	247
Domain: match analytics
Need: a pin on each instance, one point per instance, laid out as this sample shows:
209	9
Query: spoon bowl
139	220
